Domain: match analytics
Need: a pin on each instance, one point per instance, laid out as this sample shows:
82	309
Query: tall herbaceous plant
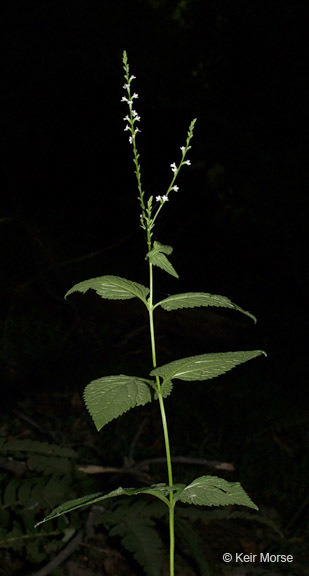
108	397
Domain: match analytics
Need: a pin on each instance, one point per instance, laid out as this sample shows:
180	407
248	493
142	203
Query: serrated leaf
164	248
157	257
108	397
190	540
158	490
214	491
166	390
162	262
71	505
204	366
139	536
196	299
112	288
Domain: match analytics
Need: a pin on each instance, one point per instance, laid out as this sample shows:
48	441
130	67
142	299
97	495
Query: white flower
173	167
134	95
158	198
182	148
187	162
164	198
127	128
131	140
124	99
126	86
127	117
135	115
132	78
176	188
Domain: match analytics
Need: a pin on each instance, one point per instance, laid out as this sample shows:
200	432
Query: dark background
238	224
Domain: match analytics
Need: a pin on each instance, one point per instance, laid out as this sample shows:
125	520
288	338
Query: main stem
164	421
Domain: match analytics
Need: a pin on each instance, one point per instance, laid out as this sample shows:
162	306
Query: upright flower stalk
149	212
148	216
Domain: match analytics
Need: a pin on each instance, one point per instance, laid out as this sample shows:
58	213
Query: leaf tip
39	523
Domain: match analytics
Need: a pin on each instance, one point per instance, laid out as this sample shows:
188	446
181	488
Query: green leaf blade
108	397
162	262
214	491
198	299
157	257
204	366
139	535
164	248
112	288
88	500
158	490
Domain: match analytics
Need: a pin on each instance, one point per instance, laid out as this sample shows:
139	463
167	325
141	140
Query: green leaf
108	397
164	248
214	491
138	534
190	541
112	288
157	257
195	299
204	366
79	503
166	390
158	490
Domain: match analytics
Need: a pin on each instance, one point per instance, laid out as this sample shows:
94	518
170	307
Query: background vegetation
238	226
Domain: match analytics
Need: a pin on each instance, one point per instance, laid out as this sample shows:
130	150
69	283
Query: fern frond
133	522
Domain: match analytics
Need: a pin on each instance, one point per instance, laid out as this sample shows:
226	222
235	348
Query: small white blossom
162	198
187	162
173	167
134	95
126	86
127	128
176	188
182	148
127	117
131	140
135	115
124	99
132	78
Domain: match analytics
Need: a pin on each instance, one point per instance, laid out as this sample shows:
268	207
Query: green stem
163	417
170	482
